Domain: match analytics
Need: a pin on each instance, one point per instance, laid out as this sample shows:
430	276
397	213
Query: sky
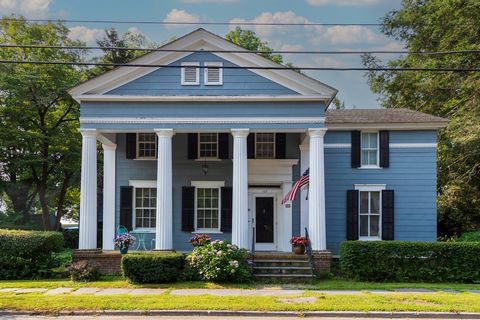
352	85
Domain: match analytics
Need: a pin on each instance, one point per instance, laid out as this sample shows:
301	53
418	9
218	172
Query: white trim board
391	145
386	126
256	120
140	98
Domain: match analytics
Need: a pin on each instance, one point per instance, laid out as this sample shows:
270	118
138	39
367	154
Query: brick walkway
273	292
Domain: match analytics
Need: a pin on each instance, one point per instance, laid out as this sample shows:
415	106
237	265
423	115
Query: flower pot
299	250
123	250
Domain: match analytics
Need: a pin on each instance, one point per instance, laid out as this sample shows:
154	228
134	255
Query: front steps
282	267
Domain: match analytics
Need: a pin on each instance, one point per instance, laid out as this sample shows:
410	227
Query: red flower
299	241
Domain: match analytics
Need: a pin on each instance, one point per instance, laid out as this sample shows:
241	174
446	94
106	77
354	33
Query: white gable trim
202	40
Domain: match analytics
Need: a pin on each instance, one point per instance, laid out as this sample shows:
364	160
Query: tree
441	25
249	40
40	146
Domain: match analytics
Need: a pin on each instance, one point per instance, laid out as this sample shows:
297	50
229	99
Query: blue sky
352	86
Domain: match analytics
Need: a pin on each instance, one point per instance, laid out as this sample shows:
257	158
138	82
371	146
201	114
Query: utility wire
333	52
135	65
239	23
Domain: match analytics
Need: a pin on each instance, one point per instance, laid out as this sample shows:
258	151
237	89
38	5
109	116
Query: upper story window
213	73
369	149
146	145
265	145
190	73
208	145
369	215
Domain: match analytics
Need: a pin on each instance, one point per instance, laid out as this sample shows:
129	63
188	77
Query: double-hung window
265	145
145	199
207	205
146	145
370	213
369	150
208	145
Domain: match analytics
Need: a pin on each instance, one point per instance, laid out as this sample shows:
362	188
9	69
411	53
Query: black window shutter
223	145
280	145
388	216
384	149
131	145
188	209
126	207
356	149
193	146
352	214
226	225
251	146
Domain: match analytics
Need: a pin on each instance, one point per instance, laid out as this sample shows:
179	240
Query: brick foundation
108	262
322	261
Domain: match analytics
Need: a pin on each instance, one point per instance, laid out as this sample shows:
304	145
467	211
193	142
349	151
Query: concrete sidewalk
263	292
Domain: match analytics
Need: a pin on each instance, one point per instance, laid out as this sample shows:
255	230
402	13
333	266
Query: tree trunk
61	199
41	187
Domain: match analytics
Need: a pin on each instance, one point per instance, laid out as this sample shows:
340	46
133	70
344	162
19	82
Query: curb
226	313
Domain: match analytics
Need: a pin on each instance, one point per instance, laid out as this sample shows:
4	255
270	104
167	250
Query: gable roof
202	39
392	118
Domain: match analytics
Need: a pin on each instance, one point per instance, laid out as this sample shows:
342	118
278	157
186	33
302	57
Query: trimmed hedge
470	236
411	261
28	254
153	267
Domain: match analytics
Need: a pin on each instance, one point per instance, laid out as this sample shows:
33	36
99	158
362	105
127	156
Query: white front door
263	209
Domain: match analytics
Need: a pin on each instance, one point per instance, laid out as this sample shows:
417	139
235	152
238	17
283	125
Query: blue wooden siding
184	171
412	175
236	82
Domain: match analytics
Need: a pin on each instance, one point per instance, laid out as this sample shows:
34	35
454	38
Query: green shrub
71	238
83	271
411	261
29	254
220	261
470	236
153	267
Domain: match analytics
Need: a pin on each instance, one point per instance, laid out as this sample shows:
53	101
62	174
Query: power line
135	65
332	52
238	23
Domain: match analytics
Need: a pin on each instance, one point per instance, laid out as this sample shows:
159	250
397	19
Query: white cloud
135	31
208	1
87	35
348	35
28	8
180	16
343	2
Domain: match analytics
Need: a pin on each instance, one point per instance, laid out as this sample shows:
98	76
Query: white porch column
316	209
240	189
164	226
88	191
284	220
108	195
304	164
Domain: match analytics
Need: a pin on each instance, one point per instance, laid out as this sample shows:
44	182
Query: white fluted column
164	225
317	228
304	164
88	192
240	189
108	196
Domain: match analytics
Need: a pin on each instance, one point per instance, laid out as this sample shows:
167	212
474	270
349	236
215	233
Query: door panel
264	220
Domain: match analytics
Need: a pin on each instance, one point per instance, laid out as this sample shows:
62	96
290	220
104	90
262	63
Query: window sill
143	231
369	239
369	168
208	159
146	159
207	232
213	84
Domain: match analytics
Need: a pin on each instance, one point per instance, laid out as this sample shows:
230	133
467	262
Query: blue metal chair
121	230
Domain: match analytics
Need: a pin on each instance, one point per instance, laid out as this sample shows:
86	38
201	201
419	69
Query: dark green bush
411	261
29	254
71	238
470	236
153	267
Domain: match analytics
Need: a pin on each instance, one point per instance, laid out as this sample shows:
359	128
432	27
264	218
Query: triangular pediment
200	39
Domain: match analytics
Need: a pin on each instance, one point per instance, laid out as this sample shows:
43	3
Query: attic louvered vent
213	73
190	74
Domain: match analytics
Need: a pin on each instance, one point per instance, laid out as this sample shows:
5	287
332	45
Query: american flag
301	182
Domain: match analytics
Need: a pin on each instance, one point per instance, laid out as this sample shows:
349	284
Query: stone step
284	277
281	263
283	270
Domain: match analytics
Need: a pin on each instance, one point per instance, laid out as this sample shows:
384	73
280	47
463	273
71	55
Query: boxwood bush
411	261
28	254
470	236
153	267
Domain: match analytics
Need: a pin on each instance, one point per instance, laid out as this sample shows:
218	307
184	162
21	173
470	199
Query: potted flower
124	241
200	240
299	244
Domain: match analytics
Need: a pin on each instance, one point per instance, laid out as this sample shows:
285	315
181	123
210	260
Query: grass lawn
441	302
